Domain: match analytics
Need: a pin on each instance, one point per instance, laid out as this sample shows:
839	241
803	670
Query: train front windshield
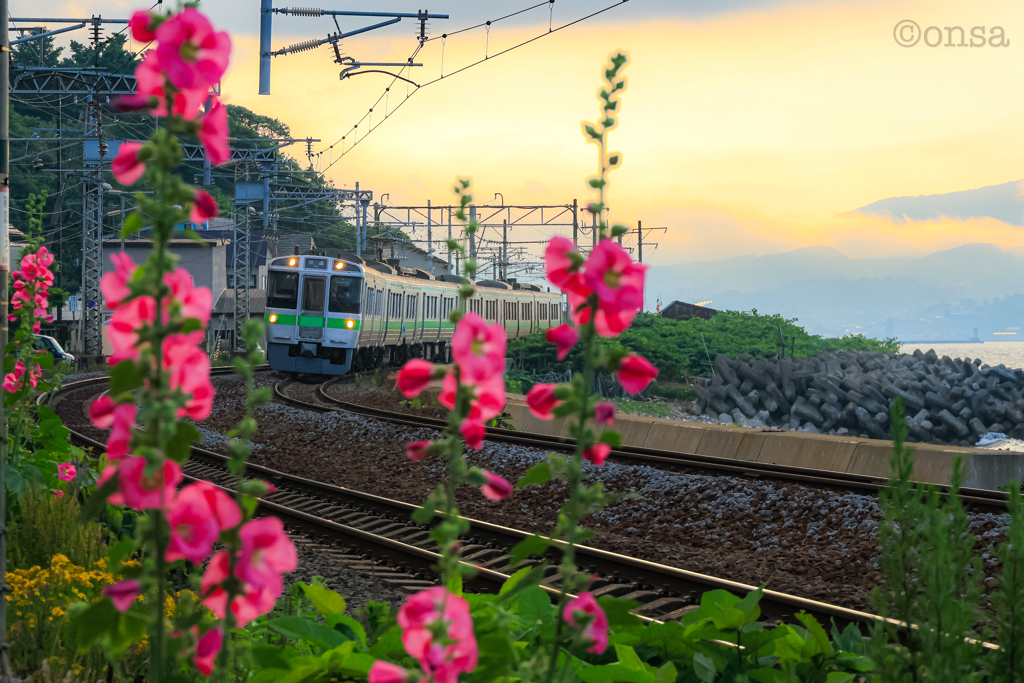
345	293
283	290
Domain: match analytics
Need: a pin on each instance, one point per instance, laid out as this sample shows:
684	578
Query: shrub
47	526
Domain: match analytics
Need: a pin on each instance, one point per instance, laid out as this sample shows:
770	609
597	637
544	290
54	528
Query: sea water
1010	354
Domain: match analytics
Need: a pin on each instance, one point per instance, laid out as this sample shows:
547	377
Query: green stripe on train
339	324
310	321
282	318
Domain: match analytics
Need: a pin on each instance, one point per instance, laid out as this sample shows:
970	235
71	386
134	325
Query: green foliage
1006	665
45	525
931	577
675	347
649	408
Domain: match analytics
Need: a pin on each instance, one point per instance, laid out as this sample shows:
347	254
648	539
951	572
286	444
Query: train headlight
293	262
339	265
273	317
350	324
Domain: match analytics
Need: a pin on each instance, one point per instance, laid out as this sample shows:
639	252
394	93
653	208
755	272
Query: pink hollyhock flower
114	286
267	552
124	323
607	323
597	629
614	277
414	377
224	510
12	380
417	450
488	398
144	492
204	208
189	369
207	650
251	604
418	619
478	348
564	337
214	134
496	487
597	453
126	166
58	493
66	471
541	401
604	413
386	672
561	270
123	421
151	92
34	375
36	327
473	433
139	25
191	52
196	302
194	528
123	594
635	372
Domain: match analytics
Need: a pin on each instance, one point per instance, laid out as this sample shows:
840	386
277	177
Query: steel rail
665	592
980	499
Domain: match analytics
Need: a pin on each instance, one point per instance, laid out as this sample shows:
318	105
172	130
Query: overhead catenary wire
354	128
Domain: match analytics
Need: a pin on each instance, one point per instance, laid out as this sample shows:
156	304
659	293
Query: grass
650	409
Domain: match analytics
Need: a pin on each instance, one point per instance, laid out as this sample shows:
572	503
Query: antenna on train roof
296	252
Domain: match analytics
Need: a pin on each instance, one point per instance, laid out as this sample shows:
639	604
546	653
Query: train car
327	315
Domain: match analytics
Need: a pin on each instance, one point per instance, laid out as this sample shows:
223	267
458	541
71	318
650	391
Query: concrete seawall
984	469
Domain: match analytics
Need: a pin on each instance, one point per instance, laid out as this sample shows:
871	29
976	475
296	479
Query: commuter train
327	315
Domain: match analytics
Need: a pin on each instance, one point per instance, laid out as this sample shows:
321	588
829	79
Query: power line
442	77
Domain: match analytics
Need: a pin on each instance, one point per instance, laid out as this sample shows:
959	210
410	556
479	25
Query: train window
345	293
284	290
410	306
313	294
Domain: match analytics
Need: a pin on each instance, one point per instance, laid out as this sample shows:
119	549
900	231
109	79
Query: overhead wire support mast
267	10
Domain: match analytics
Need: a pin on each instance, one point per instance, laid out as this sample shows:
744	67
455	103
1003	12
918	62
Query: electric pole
5	270
504	249
640	241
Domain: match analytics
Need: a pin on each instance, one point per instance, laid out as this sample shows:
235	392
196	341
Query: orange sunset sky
748	127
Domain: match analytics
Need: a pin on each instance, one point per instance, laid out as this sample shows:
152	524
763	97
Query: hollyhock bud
57	493
635	372
417	450
140	26
127	167
128	104
123	594
597	453
478	348
207	650
214	134
66	471
386	672
145	492
541	401
473	433
204	208
496	487
564	337
562	270
597	629
604	413
414	377
114	286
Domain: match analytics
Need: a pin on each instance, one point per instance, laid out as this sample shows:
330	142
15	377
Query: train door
311	312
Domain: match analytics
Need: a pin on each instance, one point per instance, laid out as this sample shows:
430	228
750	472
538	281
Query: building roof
226	302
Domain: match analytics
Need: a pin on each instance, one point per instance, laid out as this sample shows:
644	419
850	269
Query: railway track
981	500
376	531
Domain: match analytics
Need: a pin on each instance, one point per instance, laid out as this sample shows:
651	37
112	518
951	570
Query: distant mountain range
1002	202
934	297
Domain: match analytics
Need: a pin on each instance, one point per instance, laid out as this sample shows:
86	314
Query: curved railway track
376	531
981	500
